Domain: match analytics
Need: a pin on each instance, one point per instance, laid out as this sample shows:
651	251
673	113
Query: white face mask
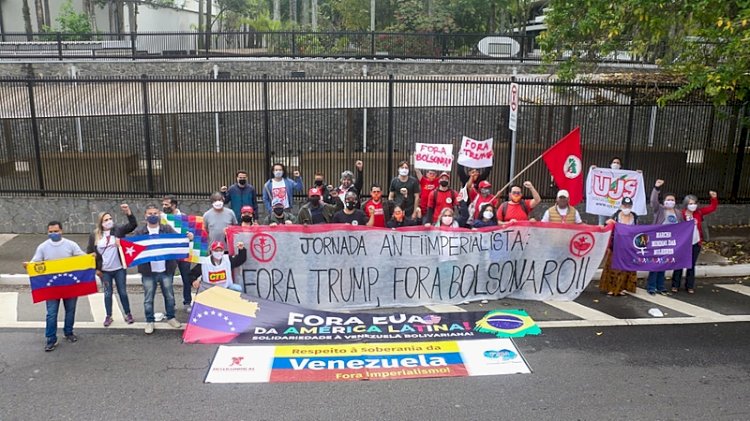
218	205
487	215
217	254
669	204
278	174
403	171
692	207
625	211
614	166
107	225
447	220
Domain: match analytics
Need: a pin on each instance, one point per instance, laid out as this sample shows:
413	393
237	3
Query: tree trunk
492	23
305	17
276	9
208	23
27	20
293	11
200	23
314	17
39	9
133	17
90	9
2	24
47	14
120	18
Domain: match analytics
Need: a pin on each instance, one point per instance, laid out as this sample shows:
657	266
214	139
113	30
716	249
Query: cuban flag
62	278
142	249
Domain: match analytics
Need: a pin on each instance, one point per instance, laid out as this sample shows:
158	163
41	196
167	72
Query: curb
707	271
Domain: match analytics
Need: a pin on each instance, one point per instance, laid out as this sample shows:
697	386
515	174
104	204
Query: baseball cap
445	174
484	184
217	245
313	192
563	193
627	201
247	209
277	202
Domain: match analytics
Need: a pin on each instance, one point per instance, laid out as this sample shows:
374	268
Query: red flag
563	160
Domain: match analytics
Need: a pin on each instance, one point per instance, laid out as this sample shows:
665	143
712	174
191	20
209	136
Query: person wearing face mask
663	214
158	271
486	217
315	211
485	196
350	214
247	216
399	219
615	164
691	212
279	215
516	208
104	242
404	191
325	192
215	270
446	219
240	194
613	281
57	247
377	210
562	212
428	183
169	207
441	198
470	178
281	187
351	184
218	218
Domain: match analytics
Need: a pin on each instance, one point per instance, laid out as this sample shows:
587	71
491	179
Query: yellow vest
570	218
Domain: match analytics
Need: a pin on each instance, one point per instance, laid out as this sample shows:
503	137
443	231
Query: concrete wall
31	214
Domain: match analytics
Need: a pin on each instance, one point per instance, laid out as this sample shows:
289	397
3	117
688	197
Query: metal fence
382	45
148	137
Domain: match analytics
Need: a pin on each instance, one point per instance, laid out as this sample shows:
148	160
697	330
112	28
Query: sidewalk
15	249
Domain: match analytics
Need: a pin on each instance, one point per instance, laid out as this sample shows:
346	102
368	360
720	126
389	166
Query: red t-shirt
481	201
515	211
379	215
443	199
427	187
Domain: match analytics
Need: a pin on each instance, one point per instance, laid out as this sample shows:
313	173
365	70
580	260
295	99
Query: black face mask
444	183
350	205
278	211
247	218
167	209
318	183
314	201
242	182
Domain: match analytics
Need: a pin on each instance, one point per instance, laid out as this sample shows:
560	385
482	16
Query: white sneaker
174	323
149	328
188	308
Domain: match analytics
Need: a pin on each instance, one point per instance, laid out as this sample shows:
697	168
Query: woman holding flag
105	242
613	281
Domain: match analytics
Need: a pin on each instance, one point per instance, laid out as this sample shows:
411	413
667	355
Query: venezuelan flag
218	316
62	278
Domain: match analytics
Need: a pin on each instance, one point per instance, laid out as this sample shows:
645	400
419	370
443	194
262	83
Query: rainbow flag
62	278
184	224
218	316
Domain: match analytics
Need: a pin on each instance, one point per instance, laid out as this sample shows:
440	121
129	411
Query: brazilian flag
507	324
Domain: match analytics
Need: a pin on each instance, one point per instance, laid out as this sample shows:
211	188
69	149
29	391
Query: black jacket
118	231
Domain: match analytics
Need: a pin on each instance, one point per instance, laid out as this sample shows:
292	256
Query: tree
71	22
26	11
39	9
89	8
703	41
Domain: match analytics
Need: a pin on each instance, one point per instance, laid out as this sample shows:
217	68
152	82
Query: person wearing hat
441	198
350	214
315	211
613	281
485	196
279	215
247	216
562	212
215	270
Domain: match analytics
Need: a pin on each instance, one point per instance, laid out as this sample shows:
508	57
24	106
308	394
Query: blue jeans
187	282
235	287
690	279
656	281
149	291
70	315
119	277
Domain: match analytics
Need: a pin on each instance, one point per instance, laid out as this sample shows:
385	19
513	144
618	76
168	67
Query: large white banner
433	156
475	153
606	187
335	267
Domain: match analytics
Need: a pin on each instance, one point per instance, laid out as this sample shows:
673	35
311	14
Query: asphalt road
671	372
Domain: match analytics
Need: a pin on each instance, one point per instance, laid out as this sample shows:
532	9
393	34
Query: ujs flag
62	278
142	249
218	316
184	224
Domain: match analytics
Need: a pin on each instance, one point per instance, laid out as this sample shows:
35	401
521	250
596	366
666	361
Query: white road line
99	312
445	308
654	321
8	307
738	288
4	238
580	310
677	305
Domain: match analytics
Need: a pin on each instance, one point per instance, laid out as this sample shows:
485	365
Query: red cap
484	184
247	209
313	192
445	174
217	245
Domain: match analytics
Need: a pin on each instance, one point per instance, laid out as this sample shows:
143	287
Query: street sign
513	106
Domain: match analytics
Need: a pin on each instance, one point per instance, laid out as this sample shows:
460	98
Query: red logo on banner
263	247
581	244
237	361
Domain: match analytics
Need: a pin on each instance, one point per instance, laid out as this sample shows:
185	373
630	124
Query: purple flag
653	248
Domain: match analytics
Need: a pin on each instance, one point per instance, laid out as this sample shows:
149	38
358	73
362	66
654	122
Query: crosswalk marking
445	308
8	306
580	310
738	288
99	312
677	305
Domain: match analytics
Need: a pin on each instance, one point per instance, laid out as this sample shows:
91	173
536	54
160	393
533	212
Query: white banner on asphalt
605	189
336	267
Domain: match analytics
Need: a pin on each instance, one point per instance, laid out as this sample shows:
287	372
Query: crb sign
499	47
